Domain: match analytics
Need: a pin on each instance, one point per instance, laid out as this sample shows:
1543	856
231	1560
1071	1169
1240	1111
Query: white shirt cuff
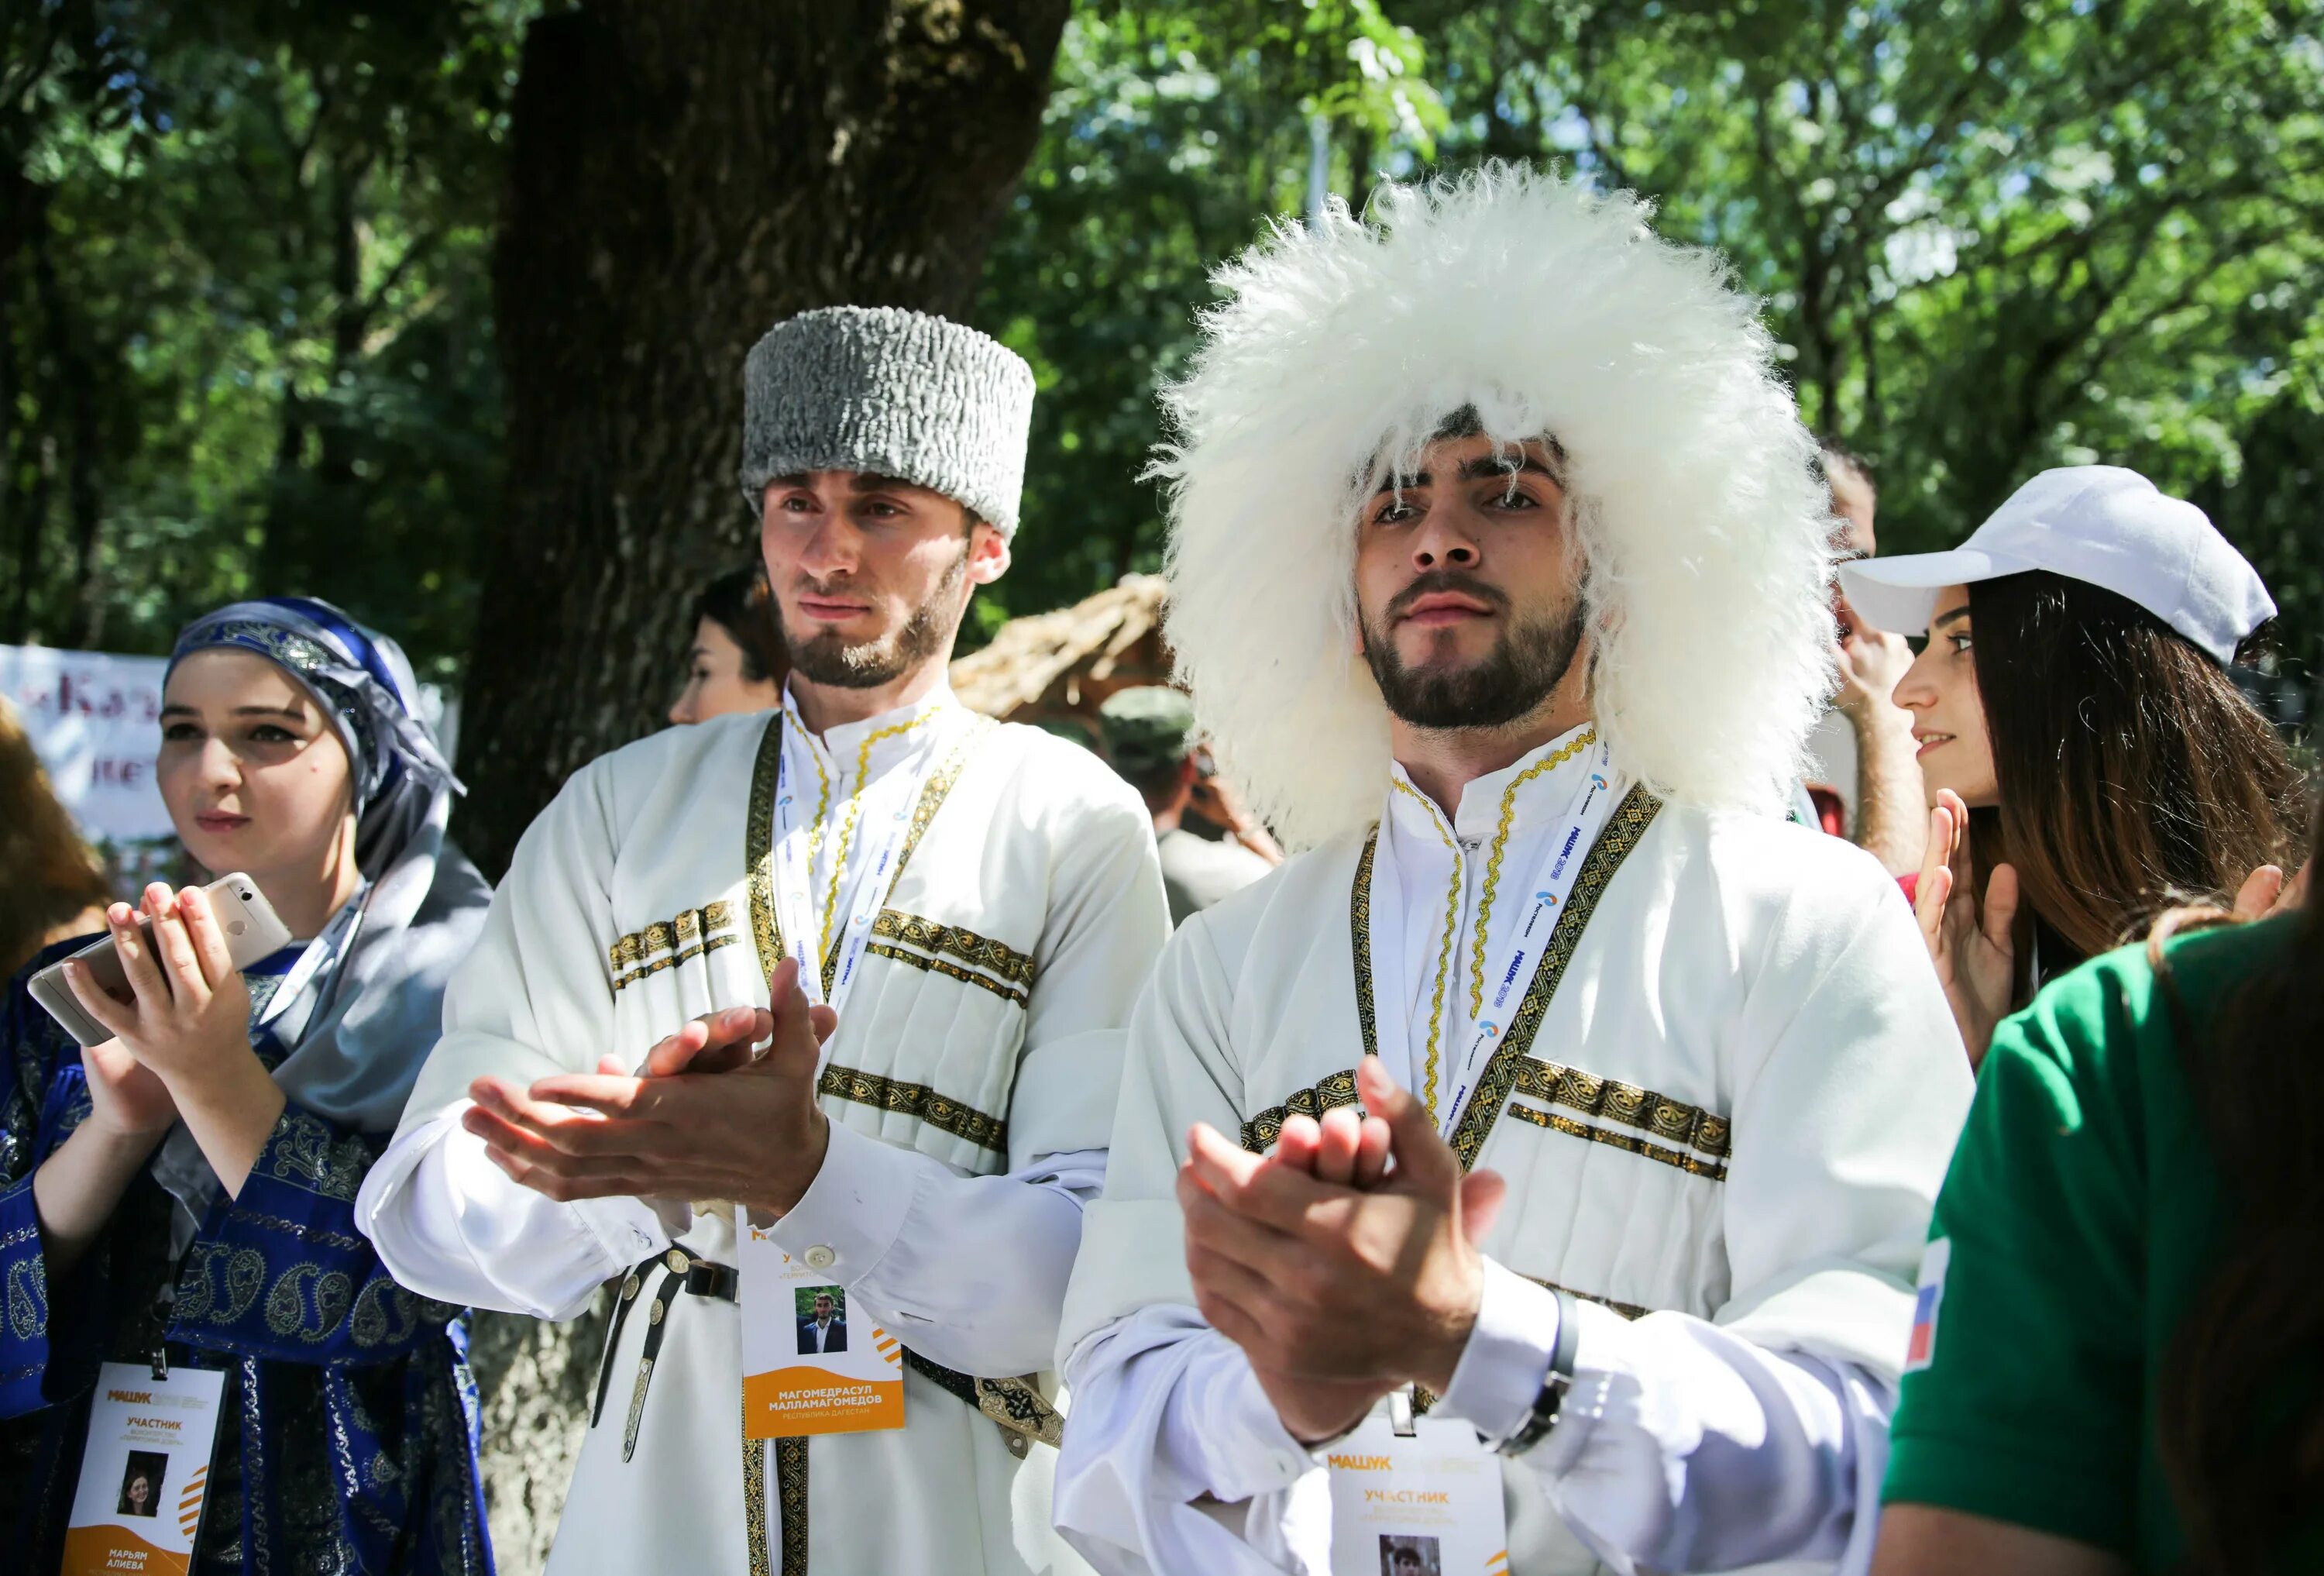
628	1229
853	1211
1501	1369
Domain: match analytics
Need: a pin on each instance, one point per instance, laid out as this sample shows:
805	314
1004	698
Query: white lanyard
338	938
1482	983
809	920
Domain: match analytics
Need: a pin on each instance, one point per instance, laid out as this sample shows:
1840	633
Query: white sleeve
958	1267
451	1225
1679	1446
1761	1434
1175	1460
532	1000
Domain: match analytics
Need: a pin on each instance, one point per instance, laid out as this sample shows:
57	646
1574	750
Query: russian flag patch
1927	1299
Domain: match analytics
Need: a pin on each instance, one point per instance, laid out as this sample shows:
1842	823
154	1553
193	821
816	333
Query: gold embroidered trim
754	1502
1627	1142
915	1100
758	848
692	934
759	830
1688	1126
930	935
790	1493
950	971
1589	736
1622	832
1259	1133
1443	952
847	841
1359	930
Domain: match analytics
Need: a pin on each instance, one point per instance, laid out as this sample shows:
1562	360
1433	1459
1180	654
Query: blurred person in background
1149	739
2081	742
55	885
192	1181
737	661
2114	1366
1865	784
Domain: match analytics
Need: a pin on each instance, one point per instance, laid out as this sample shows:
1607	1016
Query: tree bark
683	175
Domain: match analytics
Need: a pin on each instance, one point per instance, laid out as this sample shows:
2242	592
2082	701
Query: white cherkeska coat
996	992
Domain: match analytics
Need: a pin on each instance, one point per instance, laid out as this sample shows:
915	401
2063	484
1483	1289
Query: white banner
95	721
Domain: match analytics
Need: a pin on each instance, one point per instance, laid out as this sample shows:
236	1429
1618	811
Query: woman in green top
2120	1332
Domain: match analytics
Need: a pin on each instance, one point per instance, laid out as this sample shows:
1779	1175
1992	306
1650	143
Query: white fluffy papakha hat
1344	345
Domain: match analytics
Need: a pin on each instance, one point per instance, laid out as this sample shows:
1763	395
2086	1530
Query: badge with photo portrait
1428	1504
807	1366
144	1472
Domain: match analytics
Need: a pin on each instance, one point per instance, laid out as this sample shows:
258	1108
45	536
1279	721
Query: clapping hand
1976	955
705	1117
1339	1292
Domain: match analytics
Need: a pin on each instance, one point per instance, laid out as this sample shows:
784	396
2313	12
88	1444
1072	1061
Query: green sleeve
2029	1409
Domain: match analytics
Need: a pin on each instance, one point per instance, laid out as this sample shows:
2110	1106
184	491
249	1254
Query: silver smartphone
252	932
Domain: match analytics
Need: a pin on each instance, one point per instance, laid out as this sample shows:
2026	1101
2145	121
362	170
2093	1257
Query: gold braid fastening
1493	863
847	836
1443	952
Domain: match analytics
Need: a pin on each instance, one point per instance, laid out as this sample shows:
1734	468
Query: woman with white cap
2079	735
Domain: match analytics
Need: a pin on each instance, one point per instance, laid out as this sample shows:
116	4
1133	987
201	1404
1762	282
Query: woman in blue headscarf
187	1188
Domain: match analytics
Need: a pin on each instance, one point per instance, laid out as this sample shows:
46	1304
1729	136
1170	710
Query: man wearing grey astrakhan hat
977	905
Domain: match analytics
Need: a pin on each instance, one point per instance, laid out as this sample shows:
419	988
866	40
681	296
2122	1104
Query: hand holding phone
245	919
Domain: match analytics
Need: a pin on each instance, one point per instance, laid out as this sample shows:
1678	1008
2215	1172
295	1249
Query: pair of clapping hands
707	1115
1345	1264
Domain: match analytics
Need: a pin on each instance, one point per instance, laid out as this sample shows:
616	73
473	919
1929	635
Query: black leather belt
680	1272
1024	1416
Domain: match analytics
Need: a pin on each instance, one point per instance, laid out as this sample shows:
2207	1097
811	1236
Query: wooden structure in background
1053	670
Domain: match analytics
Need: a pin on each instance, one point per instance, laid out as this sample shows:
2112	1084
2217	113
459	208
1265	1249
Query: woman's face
255	776
140	1491
1939	689
714	680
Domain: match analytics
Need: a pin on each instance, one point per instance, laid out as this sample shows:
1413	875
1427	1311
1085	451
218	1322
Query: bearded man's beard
828	659
1528	660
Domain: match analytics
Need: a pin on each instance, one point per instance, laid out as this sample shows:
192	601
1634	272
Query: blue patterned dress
349	1437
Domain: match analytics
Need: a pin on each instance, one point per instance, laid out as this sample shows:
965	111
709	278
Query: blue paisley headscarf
355	1033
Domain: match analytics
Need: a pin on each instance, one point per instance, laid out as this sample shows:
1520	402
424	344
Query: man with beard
1606	1109
977	906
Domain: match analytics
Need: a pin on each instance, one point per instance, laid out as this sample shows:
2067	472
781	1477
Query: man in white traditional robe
978	904
1499	578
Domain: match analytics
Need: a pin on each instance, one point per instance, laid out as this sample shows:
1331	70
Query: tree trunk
683	175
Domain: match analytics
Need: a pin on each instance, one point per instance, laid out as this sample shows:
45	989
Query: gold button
653	1313
676	1259
629	1286
820	1258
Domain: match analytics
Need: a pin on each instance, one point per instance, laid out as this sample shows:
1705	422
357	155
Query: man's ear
988	553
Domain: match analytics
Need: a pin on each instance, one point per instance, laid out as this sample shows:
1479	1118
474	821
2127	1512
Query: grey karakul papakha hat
902	393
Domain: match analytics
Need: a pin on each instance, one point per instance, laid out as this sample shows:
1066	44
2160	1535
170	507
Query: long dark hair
739	602
2243	1464
2134	775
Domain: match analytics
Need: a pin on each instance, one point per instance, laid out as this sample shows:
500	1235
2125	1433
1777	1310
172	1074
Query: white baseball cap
2100	524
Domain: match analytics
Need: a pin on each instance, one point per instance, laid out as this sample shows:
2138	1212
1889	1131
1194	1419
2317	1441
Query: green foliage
1993	234
256	255
246	338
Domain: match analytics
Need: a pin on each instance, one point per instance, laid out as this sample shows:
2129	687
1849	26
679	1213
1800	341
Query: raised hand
1344	1148
1974	955
189	1012
704	1118
1339	1295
